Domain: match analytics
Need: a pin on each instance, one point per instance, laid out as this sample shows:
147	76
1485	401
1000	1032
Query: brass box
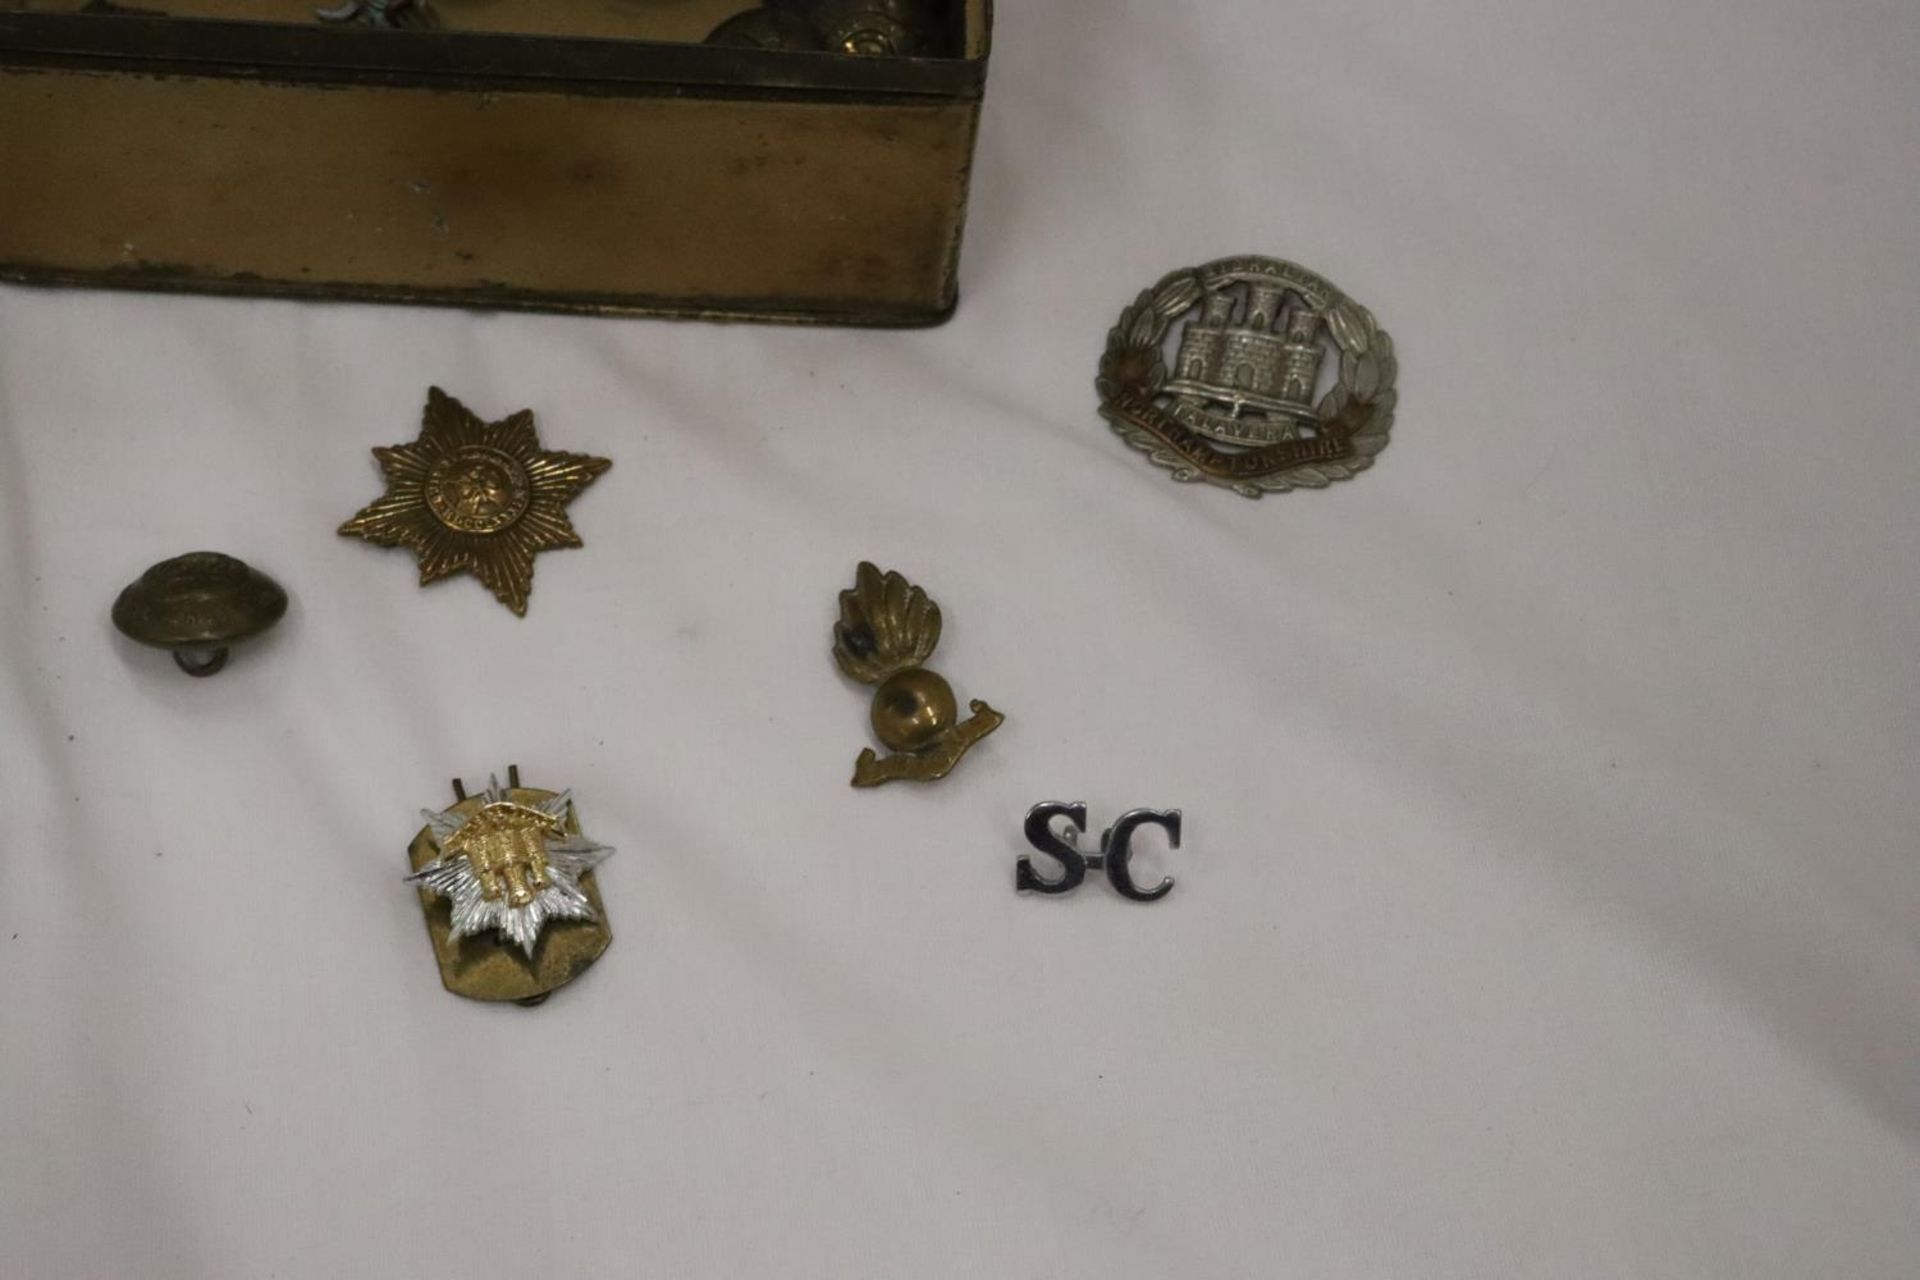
571	155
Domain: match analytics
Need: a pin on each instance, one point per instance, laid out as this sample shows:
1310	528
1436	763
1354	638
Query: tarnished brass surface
483	967
476	497
198	605
602	176
887	629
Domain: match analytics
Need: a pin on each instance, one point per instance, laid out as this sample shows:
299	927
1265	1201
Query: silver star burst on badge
510	867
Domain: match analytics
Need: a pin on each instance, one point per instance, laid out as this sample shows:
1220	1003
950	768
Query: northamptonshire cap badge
1275	380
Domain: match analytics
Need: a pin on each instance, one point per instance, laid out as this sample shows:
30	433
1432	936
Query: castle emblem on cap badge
1242	403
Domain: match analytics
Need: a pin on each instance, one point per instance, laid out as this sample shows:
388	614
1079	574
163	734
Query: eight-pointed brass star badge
483	497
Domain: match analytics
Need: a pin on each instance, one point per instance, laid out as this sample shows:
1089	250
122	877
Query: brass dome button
198	606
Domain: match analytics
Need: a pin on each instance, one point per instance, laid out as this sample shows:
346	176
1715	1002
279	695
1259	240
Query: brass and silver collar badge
887	629
1242	405
476	497
506	880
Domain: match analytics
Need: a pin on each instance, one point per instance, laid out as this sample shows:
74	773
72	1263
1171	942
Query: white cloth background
1549	904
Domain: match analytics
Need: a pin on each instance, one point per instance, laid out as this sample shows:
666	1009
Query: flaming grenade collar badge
887	629
476	497
497	872
1241	406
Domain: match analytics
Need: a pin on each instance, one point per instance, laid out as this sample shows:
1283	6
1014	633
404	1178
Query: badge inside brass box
800	160
506	881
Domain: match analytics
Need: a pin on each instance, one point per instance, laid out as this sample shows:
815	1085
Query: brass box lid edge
216	47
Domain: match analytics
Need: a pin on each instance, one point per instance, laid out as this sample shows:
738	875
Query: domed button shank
197	605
